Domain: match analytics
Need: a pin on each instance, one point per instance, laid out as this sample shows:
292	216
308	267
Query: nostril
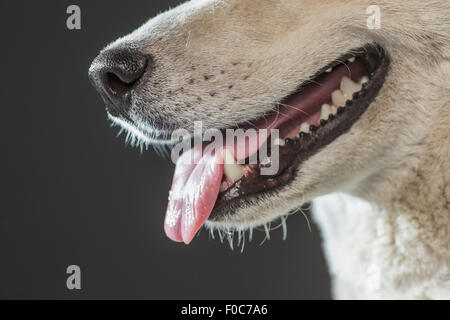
116	85
115	73
123	72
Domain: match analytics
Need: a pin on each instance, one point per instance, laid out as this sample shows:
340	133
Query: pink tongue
195	187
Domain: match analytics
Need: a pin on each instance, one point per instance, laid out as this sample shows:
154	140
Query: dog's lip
143	135
164	136
230	201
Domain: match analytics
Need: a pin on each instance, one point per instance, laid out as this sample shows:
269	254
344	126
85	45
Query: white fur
369	255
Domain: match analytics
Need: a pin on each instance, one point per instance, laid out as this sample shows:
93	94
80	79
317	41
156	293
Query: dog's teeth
352	59
333	110
348	87
325	112
338	98
304	127
363	80
232	170
329	70
279	142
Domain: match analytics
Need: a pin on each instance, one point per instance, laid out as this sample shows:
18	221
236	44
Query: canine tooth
348	87
325	111
231	169
304	127
329	70
338	98
333	110
352	59
279	142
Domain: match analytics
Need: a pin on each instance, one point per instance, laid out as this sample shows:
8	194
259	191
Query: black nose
114	73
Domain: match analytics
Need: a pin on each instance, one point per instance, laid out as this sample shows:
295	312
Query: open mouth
318	112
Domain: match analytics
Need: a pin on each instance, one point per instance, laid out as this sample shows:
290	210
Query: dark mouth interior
367	68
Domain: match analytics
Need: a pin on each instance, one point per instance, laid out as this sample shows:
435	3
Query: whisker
243	242
284	228
298	109
307	219
348	68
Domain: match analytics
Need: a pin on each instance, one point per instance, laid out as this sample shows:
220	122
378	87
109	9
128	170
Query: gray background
74	194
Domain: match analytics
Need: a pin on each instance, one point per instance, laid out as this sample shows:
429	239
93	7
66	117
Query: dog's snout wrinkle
114	74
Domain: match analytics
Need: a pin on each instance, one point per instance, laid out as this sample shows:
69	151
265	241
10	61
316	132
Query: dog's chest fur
374	254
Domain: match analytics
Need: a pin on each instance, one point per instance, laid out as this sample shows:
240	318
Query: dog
363	113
